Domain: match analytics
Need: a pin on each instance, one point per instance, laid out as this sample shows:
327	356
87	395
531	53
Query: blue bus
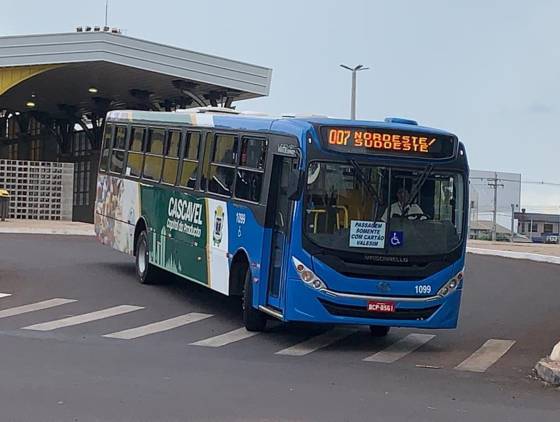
306	219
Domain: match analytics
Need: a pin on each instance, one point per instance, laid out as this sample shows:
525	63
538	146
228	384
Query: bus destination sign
388	142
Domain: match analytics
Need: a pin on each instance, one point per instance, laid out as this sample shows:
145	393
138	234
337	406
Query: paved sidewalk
531	251
46	227
537	248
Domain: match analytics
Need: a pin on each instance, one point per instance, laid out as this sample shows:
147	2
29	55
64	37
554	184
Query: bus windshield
371	209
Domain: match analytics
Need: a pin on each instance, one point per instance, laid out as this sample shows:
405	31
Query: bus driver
401	208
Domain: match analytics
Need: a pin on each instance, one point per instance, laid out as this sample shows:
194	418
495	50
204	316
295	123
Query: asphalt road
68	370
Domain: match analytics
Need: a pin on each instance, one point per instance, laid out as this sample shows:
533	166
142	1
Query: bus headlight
308	276
451	285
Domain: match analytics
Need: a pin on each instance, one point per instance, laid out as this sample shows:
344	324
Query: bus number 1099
423	289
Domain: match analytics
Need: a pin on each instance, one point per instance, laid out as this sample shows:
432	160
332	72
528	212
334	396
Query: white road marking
227	338
37	306
81	319
486	356
400	349
159	326
317	342
5	295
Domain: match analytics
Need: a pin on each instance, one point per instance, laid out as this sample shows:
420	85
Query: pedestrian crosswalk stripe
37	306
227	338
486	356
81	319
317	342
400	349
159	326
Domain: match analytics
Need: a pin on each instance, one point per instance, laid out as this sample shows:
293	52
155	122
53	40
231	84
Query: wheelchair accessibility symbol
396	239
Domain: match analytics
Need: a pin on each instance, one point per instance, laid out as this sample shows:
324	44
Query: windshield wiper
371	189
419	184
363	178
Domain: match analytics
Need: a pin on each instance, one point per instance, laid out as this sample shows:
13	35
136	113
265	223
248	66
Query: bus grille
361	312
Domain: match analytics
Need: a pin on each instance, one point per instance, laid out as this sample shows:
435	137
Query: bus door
279	214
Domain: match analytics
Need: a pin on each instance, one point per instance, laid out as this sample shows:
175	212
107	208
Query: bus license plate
376	306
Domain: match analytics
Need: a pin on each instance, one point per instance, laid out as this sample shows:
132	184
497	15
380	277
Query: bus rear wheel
147	273
378	330
253	319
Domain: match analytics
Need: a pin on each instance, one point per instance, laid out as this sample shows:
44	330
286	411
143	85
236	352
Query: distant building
539	227
482	230
485	187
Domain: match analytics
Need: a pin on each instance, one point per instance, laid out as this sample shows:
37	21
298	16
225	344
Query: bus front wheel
146	272
378	330
253	319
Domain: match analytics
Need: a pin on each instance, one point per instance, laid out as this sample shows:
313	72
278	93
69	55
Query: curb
516	255
48	231
549	371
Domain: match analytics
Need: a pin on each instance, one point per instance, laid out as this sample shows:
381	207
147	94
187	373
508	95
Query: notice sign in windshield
367	234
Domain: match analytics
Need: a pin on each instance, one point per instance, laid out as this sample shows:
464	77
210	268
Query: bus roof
231	119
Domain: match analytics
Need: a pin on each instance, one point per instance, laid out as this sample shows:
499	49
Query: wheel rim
142	253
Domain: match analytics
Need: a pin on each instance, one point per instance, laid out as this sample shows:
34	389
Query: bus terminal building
56	89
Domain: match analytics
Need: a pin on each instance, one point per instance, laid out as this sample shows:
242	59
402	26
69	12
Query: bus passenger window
153	162
135	158
225	149
190	162
107	138
248	184
137	140
120	138
253	153
172	153
117	153
222	168
221	179
191	148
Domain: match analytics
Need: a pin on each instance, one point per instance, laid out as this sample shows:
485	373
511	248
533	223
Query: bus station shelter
55	90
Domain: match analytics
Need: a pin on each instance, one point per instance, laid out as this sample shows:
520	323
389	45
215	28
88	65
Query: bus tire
146	272
253	319
379	330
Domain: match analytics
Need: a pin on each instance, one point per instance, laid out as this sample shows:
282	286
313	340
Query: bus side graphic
188	235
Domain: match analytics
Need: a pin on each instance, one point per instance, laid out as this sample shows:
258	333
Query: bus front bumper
308	305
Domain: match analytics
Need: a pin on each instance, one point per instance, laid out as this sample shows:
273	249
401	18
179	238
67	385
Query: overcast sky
486	70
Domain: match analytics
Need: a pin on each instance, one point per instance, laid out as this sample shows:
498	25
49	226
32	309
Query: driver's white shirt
397	209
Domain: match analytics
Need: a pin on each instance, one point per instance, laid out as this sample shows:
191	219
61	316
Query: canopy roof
84	72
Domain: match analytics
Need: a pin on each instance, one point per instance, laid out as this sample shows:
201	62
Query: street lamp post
354	70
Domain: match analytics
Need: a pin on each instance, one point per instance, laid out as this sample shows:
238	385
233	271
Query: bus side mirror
295	184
